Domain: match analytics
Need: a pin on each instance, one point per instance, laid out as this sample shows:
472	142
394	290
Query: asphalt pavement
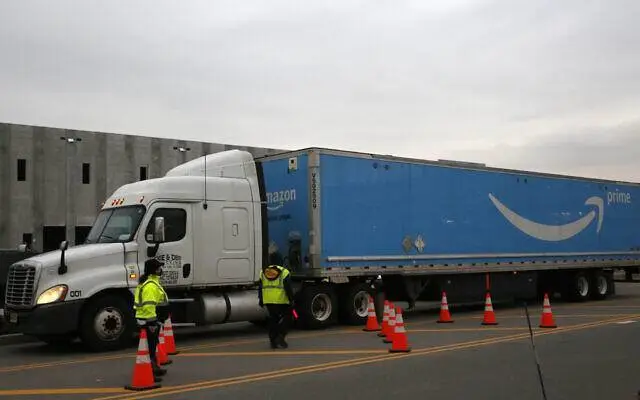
590	355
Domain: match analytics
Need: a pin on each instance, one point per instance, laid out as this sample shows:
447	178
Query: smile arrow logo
553	233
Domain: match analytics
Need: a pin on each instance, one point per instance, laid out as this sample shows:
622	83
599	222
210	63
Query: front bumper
48	319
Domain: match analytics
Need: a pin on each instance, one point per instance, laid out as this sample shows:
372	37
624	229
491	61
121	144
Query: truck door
177	249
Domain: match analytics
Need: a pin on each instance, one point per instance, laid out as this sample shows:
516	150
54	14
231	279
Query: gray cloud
504	81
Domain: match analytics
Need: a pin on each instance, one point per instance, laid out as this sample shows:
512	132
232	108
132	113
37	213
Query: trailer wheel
579	287
354	303
107	323
600	286
317	306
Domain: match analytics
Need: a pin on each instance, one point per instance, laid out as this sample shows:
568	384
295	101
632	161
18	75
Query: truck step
181	300
182	324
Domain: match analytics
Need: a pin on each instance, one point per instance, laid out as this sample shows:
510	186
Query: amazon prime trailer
428	226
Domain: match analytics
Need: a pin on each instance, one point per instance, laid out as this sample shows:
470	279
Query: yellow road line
132	354
183	349
283	353
479	329
498	316
52	392
347	363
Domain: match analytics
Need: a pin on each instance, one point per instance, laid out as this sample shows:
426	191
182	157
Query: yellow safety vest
273	289
147	297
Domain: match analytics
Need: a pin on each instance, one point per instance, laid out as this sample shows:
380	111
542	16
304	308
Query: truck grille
20	285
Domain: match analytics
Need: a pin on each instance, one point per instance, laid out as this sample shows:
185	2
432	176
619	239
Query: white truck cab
202	219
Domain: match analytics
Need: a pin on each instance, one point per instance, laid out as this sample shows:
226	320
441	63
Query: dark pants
279	317
153	337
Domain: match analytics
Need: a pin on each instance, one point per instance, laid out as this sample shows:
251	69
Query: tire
317	306
354	303
107	323
601	286
579	287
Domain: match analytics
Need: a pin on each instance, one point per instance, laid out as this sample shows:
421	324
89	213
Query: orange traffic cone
489	315
546	320
170	343
142	371
400	343
385	320
391	329
161	352
445	316
372	320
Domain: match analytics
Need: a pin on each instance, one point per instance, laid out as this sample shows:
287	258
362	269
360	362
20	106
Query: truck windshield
116	225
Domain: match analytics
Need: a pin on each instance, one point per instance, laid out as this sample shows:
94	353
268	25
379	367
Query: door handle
186	270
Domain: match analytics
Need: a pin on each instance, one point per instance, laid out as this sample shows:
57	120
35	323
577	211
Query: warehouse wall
54	192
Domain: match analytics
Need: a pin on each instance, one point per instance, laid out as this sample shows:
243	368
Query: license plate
13	317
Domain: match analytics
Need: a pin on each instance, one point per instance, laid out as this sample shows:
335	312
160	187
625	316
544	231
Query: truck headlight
53	294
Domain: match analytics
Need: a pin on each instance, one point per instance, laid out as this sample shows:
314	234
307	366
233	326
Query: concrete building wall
70	173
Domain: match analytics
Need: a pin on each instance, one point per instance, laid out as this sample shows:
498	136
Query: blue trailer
346	218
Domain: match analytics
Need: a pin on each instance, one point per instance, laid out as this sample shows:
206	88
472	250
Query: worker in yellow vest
151	304
276	294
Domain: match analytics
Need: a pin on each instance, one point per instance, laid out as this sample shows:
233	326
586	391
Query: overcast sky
509	83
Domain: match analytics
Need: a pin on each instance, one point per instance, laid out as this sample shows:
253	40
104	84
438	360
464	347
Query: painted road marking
482	329
52	392
185	349
347	363
564	316
283	353
625	322
120	356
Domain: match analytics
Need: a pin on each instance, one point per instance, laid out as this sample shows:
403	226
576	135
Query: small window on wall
22	170
143	173
27	238
86	173
175	224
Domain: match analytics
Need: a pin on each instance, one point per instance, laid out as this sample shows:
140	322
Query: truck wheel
600	286
354	303
579	287
317	306
107	323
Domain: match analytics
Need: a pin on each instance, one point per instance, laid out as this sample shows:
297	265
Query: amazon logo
276	199
553	233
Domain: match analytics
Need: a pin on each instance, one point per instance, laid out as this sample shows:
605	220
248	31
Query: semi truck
347	225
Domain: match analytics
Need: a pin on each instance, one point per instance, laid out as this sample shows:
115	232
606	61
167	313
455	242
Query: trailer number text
314	191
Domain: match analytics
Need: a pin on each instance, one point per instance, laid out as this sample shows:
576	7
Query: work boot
282	342
159	372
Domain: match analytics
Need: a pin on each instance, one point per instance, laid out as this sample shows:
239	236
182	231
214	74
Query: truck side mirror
158	230
62	269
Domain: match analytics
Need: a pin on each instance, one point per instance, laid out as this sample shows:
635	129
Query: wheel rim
602	285
321	307
583	286
108	324
361	304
